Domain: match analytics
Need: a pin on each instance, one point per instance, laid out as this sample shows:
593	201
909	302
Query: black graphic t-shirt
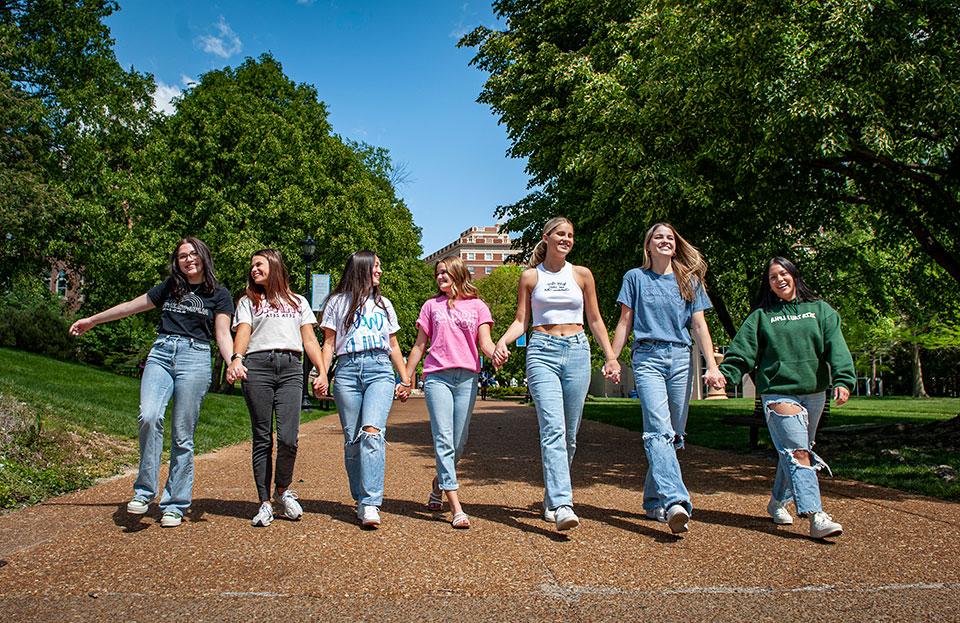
192	315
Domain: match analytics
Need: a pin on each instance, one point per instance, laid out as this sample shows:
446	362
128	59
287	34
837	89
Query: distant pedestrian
360	325
793	342
662	302
194	309
274	326
457	325
557	298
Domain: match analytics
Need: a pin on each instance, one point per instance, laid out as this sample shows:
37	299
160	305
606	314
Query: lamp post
307	248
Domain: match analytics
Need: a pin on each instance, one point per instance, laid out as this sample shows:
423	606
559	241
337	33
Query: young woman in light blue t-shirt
662	302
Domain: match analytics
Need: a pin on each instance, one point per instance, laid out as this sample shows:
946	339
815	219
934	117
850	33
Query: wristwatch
236	356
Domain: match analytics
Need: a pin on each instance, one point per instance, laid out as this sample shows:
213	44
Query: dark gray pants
274	385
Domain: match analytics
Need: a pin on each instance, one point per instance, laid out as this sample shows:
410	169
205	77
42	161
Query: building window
488	257
62	283
471	256
488	269
471	269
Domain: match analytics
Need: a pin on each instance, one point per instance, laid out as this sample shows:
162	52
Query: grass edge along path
891	463
79	423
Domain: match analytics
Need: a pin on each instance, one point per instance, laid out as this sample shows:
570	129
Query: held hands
611	370
500	354
236	371
320	384
714	378
81	326
840	394
402	392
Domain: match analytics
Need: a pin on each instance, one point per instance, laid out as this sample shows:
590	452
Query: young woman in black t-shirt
194	308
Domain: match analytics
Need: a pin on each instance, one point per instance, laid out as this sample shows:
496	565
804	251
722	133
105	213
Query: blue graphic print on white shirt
371	328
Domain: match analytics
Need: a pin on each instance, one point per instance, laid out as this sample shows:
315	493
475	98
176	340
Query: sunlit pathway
81	557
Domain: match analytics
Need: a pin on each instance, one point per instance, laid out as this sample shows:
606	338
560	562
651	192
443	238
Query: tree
751	127
249	161
72	121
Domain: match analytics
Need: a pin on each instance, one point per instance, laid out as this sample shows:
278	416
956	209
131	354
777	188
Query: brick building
481	248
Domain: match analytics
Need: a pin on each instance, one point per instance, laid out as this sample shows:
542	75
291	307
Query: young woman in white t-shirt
273	327
361	326
457	324
556	297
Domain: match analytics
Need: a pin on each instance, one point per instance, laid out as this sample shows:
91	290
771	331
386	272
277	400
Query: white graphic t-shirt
274	328
370	329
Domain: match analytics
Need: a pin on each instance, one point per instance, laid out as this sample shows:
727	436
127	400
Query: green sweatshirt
794	347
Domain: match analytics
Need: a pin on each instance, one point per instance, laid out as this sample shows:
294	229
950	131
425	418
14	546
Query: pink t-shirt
452	333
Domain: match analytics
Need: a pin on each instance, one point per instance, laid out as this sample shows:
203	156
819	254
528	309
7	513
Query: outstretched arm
134	306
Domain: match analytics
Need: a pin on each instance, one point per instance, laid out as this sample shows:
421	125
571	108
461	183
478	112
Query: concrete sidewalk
81	557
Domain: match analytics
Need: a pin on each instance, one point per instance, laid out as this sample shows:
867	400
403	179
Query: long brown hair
462	285
277	290
540	251
357	285
180	285
689	267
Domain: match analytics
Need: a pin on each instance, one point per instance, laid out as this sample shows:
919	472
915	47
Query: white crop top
557	297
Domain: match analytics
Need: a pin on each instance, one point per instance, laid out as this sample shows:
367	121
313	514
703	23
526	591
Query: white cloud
163	97
187	81
304	2
225	44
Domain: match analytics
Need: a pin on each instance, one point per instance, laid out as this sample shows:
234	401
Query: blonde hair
462	285
688	265
540	251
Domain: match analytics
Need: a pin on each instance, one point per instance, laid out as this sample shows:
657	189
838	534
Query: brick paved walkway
81	557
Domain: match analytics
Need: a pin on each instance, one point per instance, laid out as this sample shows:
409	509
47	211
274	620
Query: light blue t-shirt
659	312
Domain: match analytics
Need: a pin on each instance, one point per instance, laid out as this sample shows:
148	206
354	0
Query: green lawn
908	468
74	401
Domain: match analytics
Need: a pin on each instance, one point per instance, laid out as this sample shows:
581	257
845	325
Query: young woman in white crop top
554	295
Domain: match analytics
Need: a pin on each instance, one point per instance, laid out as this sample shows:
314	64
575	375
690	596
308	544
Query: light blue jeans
450	396
558	376
177	367
662	374
363	388
790	433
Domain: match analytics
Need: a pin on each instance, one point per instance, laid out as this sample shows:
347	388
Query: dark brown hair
277	290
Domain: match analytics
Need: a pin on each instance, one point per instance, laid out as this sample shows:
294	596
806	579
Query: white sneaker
678	519
369	516
566	518
264	516
288	504
549	516
658	514
137	506
170	519
822	526
781	516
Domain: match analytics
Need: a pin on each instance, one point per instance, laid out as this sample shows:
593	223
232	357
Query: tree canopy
756	129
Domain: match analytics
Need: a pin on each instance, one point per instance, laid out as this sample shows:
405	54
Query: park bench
756	420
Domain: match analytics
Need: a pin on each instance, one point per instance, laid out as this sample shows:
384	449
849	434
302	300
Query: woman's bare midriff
559	330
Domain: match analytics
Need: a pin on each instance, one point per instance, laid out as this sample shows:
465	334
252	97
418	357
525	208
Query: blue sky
389	72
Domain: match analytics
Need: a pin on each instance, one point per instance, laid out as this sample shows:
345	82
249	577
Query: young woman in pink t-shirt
457	324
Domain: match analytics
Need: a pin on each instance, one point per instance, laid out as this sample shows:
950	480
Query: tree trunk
918	389
723	315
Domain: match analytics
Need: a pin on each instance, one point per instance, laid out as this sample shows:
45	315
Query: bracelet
236	356
402	384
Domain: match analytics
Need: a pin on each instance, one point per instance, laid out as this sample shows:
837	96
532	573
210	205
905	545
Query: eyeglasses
192	255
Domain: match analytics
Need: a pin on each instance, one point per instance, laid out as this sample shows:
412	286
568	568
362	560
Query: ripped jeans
662	374
790	433
363	389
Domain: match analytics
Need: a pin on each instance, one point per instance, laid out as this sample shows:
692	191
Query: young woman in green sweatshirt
793	342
